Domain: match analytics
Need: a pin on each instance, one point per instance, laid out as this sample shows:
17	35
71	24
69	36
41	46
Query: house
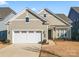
74	16
30	27
5	14
59	25
27	27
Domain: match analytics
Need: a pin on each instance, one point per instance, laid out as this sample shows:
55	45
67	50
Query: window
44	33
44	15
27	19
16	31
31	31
58	34
78	30
65	34
77	19
23	31
2	34
38	31
8	32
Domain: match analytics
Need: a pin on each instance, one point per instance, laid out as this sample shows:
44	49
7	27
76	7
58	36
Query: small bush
7	41
44	41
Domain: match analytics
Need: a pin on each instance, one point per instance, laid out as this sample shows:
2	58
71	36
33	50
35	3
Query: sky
54	6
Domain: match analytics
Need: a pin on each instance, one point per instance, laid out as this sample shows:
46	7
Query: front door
49	34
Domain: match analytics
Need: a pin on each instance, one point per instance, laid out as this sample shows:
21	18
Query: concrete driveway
21	50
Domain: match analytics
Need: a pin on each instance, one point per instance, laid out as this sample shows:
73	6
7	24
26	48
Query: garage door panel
23	37
30	37
18	38
38	36
26	37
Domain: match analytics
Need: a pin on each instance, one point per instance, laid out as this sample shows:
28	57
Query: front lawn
61	49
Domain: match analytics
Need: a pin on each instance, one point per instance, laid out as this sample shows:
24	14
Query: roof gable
50	12
29	11
56	16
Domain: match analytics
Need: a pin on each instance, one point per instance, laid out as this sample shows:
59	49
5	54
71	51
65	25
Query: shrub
7	41
44	41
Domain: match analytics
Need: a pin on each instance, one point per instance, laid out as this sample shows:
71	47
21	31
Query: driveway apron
21	50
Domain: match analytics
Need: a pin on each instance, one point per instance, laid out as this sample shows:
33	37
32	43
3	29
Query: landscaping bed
2	45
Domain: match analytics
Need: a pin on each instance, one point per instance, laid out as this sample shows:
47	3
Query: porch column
54	33
70	33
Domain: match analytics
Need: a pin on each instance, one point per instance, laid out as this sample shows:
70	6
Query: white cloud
34	9
2	2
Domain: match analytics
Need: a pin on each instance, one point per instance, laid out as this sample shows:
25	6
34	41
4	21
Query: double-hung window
44	15
27	19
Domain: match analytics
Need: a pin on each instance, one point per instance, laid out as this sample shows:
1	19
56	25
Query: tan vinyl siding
22	16
51	19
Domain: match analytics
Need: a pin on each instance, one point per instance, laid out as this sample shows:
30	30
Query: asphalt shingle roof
76	9
64	17
4	12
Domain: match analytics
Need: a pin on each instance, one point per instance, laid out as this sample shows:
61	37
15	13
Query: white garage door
26	37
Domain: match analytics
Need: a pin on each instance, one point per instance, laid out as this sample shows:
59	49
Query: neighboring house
74	16
5	14
27	27
59	25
